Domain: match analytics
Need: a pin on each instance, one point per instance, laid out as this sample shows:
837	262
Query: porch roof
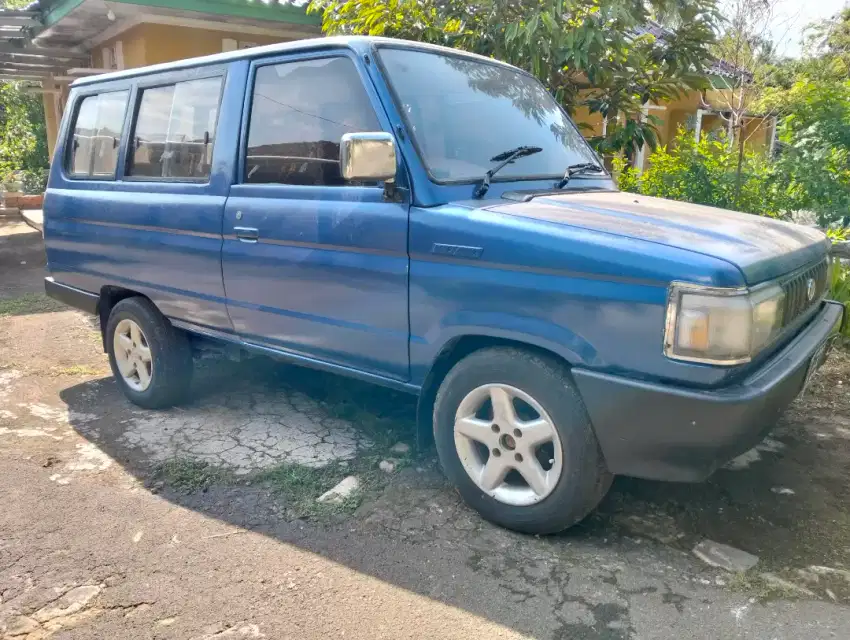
55	37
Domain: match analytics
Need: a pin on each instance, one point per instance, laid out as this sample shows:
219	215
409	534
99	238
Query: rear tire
150	359
575	478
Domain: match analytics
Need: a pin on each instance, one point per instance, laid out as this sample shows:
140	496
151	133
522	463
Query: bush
23	137
839	275
704	172
34	181
815	137
839	287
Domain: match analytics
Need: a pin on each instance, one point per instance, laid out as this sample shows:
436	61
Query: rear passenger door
312	264
143	210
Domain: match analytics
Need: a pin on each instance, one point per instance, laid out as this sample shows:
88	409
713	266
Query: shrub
839	287
34	181
704	172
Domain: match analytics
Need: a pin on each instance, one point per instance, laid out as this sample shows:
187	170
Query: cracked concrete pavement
246	431
91	547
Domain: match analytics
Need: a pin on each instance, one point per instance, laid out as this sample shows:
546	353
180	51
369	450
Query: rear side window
174	133
299	112
97	135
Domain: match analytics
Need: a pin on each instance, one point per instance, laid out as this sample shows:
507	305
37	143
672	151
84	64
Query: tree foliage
815	153
595	54
23	139
814	121
810	98
828	47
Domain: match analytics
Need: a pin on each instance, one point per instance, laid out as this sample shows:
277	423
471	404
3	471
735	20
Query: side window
174	133
300	110
97	134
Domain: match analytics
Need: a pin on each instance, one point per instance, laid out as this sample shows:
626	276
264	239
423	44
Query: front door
312	264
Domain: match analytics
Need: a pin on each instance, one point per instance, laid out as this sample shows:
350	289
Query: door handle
247	234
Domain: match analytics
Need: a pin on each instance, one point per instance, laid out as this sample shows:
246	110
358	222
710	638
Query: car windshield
463	112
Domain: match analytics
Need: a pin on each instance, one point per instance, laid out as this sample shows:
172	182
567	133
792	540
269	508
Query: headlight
721	326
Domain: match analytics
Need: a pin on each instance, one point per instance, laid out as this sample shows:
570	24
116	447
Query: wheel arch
110	296
450	354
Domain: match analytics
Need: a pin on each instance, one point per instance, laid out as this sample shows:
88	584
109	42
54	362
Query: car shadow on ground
786	501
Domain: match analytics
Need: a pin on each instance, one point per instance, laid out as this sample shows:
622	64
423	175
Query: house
703	112
54	42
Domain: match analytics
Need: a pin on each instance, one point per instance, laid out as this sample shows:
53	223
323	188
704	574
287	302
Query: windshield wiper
576	169
504	159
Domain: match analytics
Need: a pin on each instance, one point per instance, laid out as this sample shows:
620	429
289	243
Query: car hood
762	248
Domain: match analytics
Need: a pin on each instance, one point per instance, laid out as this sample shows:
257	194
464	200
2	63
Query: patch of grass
297	486
191	475
300	486
753	584
28	304
78	370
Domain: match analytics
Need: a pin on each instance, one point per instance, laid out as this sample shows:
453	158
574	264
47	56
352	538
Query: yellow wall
590	124
155	43
147	44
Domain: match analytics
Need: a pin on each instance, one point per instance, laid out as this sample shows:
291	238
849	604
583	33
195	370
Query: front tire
513	436
150	359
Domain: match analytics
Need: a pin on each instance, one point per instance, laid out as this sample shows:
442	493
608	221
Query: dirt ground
201	522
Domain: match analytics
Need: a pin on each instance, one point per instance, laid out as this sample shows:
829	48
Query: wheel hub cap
508	444
133	355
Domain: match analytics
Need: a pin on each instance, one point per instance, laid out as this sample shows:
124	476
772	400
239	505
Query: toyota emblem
810	289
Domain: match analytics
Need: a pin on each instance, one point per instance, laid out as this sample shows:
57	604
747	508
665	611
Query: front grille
796	288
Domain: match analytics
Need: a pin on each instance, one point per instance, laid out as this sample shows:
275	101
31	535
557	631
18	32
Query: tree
746	46
828	47
814	136
23	138
597	54
814	131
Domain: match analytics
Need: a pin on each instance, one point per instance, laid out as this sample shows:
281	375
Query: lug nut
495	428
518	433
497	453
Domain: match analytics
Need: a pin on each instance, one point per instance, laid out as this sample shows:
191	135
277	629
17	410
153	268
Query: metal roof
54	38
19	59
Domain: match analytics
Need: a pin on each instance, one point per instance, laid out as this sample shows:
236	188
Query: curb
34	218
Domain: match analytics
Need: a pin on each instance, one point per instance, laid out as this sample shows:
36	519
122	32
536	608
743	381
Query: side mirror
367	156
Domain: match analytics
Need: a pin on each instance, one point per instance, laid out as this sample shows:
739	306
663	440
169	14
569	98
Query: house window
299	112
174	134
97	135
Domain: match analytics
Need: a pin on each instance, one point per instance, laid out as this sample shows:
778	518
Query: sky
792	16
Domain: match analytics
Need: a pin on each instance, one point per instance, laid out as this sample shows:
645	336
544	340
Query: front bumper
663	432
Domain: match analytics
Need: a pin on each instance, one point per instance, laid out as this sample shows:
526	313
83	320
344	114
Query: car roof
357	43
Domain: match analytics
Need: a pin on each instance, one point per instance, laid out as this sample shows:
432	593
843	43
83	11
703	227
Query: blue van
432	221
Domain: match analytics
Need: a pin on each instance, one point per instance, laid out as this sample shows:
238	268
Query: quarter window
175	131
300	111
97	134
